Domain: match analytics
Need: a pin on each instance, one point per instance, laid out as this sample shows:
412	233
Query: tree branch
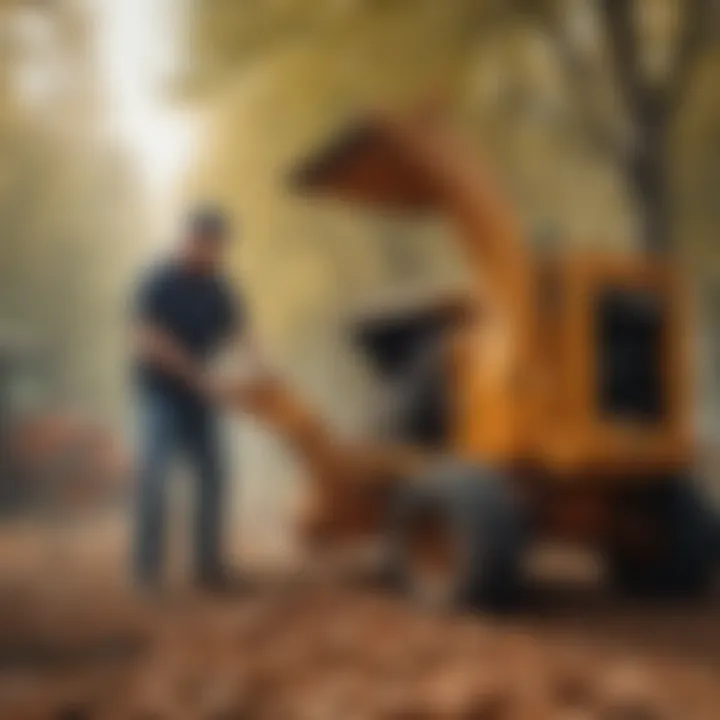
701	24
580	75
623	40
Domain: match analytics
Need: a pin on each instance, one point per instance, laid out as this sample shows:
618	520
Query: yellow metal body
526	393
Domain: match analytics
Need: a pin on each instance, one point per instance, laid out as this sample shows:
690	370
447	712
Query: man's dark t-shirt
198	311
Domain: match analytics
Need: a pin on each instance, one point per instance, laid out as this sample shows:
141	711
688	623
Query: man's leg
158	427
204	445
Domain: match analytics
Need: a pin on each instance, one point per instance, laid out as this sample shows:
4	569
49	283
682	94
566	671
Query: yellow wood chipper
551	400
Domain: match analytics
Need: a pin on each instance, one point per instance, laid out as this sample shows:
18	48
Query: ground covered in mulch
77	644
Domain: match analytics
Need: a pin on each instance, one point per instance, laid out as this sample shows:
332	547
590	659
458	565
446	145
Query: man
185	314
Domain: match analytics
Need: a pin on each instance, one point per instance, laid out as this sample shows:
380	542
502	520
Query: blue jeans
170	428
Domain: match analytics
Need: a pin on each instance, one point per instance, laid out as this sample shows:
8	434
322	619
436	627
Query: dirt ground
76	644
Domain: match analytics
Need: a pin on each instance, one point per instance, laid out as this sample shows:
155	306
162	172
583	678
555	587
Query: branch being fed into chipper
349	482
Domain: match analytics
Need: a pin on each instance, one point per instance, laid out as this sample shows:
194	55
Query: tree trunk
648	179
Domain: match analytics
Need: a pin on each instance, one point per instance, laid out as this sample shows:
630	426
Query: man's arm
244	371
244	351
157	347
242	362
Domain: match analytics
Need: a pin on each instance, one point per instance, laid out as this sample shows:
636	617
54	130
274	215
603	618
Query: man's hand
241	388
158	348
217	389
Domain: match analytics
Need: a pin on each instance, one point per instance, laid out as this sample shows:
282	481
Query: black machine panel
408	354
631	333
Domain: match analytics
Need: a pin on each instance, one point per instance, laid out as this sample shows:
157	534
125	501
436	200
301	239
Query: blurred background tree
68	202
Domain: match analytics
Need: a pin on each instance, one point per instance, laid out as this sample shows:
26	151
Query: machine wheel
664	545
459	538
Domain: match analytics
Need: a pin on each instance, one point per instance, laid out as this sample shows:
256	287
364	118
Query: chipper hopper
550	400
